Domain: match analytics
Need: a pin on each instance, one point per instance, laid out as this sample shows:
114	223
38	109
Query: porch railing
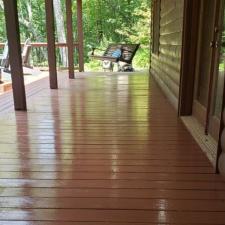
38	55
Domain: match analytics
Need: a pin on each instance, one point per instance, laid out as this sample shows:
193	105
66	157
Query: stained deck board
113	204
106	150
108	216
114	193
110	176
112	169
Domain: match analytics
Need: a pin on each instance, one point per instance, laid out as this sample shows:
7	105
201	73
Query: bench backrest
128	51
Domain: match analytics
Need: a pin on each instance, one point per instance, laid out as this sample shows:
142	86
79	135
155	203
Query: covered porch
103	149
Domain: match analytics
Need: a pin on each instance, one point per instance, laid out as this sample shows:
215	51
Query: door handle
212	44
217	44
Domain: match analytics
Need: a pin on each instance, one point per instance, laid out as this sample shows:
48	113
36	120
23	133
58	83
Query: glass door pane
205	51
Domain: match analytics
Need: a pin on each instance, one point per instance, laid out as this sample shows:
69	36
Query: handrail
44	44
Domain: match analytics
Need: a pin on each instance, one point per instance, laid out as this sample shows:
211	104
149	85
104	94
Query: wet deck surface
103	150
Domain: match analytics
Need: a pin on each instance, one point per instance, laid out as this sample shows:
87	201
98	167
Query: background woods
105	21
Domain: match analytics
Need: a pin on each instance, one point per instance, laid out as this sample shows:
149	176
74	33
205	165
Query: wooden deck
103	150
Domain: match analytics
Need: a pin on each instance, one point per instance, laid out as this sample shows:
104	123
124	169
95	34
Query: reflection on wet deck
103	150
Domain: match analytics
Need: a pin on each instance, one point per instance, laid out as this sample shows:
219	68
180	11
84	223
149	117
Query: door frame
204	114
188	56
188	66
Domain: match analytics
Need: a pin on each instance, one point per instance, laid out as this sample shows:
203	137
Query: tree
105	21
60	29
118	21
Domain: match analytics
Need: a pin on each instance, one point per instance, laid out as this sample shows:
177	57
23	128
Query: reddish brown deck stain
103	150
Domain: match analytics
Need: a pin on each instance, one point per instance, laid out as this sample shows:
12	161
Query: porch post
70	46
13	35
50	28
80	35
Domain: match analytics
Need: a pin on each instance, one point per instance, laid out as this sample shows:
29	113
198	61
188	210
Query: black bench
128	53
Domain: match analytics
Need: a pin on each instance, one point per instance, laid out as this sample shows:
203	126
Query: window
156	26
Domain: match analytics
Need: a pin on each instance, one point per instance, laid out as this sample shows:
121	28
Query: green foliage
117	21
105	21
32	19
2	23
93	66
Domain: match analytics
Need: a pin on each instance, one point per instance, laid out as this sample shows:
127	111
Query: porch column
13	35
69	24
80	35
50	29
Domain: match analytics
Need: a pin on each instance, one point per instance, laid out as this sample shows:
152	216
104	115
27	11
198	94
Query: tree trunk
1	4
60	29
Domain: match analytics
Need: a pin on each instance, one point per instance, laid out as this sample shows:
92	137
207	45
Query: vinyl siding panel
165	66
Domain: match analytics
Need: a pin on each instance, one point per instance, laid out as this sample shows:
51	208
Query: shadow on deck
101	150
